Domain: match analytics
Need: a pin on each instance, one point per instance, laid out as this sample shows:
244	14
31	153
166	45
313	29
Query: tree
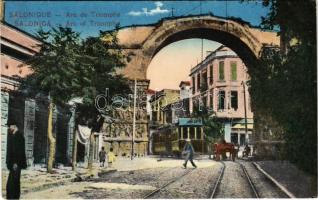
284	83
54	69
101	56
212	126
67	67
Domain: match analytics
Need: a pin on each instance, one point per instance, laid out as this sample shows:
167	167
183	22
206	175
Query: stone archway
142	43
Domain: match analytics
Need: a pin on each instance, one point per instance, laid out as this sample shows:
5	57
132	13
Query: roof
150	91
21	31
184	83
161	93
190	122
221	52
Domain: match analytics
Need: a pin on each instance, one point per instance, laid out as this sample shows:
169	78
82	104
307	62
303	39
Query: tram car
170	140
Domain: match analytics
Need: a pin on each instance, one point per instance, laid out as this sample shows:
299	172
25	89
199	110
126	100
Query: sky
125	12
177	59
89	17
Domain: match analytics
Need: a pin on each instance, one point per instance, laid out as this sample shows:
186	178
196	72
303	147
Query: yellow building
160	100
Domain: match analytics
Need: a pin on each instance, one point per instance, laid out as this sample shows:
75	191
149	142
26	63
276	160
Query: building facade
219	83
30	114
159	101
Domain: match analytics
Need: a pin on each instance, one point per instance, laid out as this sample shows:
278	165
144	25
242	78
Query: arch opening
225	38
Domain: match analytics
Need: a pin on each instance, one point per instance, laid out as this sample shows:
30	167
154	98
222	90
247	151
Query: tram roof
190	122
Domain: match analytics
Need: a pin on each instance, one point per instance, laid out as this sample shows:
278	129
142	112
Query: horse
222	148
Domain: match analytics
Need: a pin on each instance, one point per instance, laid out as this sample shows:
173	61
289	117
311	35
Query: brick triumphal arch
142	43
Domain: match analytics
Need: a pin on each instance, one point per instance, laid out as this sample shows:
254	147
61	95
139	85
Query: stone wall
267	137
4	128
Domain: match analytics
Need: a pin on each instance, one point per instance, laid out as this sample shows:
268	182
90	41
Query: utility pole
134	122
245	114
202	38
172	9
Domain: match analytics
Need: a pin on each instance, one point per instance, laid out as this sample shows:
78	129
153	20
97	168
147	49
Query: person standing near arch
102	157
15	160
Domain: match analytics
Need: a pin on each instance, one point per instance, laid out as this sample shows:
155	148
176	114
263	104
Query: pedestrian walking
15	160
188	150
102	157
111	157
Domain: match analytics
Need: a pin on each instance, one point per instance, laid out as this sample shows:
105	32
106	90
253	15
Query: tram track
215	189
257	183
252	185
218	181
156	191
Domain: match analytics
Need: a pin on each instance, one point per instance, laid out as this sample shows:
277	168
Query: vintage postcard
158	99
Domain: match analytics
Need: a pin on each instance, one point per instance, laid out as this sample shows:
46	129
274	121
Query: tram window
192	133
185	132
198	134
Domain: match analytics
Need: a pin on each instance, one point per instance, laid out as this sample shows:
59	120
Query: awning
242	126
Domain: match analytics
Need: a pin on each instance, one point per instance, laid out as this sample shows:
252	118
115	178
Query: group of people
16	158
188	152
110	157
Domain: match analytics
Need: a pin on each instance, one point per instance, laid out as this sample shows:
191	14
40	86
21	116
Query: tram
169	140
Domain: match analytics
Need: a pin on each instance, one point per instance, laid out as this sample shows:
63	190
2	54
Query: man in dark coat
189	151
16	160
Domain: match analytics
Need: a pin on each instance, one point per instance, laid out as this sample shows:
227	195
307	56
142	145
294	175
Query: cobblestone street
167	179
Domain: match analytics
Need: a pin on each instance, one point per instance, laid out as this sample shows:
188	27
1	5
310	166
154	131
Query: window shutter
221	70
233	71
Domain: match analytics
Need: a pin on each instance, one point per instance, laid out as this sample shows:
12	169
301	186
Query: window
198	133
193	85
233	71
221	70
249	103
221	100
234	103
198	80
211	74
204	99
211	99
185	132
204	82
234	138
